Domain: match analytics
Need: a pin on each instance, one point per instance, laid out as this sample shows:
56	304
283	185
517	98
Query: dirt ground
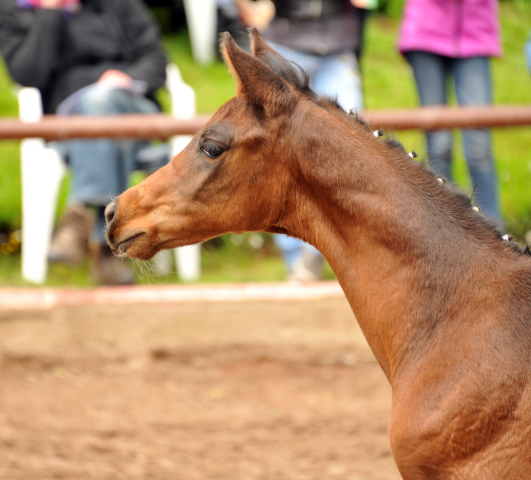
267	390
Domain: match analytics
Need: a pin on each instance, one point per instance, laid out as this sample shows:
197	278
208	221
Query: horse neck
397	251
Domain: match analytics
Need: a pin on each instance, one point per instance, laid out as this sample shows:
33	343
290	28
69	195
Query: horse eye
211	149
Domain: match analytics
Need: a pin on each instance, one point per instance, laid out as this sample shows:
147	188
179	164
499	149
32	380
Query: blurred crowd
104	57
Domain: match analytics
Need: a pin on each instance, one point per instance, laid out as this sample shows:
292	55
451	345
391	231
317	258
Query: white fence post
201	20
42	170
188	259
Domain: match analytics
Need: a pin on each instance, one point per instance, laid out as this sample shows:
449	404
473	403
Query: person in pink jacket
453	40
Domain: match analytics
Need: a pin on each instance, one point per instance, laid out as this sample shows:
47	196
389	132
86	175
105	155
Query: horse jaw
155	218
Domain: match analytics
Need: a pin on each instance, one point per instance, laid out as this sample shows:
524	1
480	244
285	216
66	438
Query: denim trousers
101	167
337	76
472	81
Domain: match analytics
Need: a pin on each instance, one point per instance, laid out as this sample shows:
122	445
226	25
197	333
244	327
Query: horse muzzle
110	214
120	239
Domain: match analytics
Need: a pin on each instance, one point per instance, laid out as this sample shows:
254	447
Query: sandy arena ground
209	390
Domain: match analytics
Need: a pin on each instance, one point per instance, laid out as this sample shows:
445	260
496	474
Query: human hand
116	78
257	13
56	4
367	4
51	4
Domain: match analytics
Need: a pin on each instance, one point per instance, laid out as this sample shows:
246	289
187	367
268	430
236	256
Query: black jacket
60	53
318	27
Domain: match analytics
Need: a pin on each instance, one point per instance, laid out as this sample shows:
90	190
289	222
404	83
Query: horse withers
443	300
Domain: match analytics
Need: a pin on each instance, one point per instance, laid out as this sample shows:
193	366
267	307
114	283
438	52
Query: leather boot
71	238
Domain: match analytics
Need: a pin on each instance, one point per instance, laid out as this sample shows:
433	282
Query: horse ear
260	83
289	71
259	46
264	52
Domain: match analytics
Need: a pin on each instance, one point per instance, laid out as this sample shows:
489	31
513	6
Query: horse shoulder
467	403
480	435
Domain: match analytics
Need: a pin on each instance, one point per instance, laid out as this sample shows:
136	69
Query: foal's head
234	175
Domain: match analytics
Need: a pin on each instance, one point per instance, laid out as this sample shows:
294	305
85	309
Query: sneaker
71	239
107	269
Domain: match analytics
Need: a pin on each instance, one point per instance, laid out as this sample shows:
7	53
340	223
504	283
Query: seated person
87	57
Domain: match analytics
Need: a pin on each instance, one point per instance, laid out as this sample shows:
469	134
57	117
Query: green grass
228	259
388	84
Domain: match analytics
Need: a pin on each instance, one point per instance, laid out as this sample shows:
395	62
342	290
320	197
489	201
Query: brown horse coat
444	302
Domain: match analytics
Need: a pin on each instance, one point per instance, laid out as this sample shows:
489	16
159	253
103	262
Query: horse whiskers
158	266
119	254
151	270
143	270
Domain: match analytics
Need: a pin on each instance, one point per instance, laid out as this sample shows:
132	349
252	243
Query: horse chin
144	248
138	247
143	254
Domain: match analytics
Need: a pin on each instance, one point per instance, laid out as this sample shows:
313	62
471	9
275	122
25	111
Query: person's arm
30	48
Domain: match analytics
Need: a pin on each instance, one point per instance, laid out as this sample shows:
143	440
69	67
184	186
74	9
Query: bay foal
443	301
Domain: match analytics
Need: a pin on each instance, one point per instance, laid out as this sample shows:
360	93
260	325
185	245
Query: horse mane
418	173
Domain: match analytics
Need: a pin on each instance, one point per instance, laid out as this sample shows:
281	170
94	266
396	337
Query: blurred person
447	40
324	38
228	20
87	57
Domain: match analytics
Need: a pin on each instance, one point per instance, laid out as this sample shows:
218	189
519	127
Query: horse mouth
122	246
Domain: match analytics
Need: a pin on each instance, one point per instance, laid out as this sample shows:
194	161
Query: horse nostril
110	211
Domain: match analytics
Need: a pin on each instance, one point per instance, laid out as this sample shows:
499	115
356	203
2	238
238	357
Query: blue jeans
473	86
101	167
334	75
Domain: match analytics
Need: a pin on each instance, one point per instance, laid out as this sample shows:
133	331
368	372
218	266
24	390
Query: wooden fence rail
163	126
